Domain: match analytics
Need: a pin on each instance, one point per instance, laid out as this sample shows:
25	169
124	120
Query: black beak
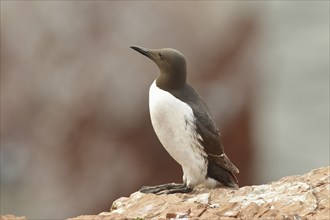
141	50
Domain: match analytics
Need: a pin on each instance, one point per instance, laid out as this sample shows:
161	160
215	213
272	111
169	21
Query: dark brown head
172	66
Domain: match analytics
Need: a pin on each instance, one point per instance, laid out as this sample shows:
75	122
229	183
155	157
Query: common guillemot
183	124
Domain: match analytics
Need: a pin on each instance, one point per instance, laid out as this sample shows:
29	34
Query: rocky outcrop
293	197
12	217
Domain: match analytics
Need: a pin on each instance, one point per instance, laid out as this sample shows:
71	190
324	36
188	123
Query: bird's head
171	63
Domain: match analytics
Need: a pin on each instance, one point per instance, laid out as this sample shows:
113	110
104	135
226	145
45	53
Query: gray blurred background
75	127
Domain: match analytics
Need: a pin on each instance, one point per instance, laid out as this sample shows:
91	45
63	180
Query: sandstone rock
12	217
291	198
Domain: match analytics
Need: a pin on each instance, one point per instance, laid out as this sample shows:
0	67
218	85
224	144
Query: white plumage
173	122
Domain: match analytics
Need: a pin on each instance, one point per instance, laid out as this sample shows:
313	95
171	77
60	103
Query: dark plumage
219	167
183	123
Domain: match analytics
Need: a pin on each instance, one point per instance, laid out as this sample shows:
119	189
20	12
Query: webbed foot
168	188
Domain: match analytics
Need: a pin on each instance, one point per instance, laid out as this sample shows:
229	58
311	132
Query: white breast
172	121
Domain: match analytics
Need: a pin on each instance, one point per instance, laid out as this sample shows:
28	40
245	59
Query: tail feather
222	175
232	175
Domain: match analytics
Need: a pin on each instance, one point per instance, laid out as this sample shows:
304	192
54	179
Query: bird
184	125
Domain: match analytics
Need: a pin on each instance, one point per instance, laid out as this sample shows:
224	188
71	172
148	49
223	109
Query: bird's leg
168	188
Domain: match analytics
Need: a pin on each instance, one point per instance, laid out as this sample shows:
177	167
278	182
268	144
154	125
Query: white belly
172	121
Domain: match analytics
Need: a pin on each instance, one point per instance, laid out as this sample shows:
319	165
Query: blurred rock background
75	127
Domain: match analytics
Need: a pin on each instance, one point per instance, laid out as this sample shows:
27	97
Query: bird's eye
160	55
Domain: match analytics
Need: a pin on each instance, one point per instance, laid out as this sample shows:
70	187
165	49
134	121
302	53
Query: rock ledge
293	197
